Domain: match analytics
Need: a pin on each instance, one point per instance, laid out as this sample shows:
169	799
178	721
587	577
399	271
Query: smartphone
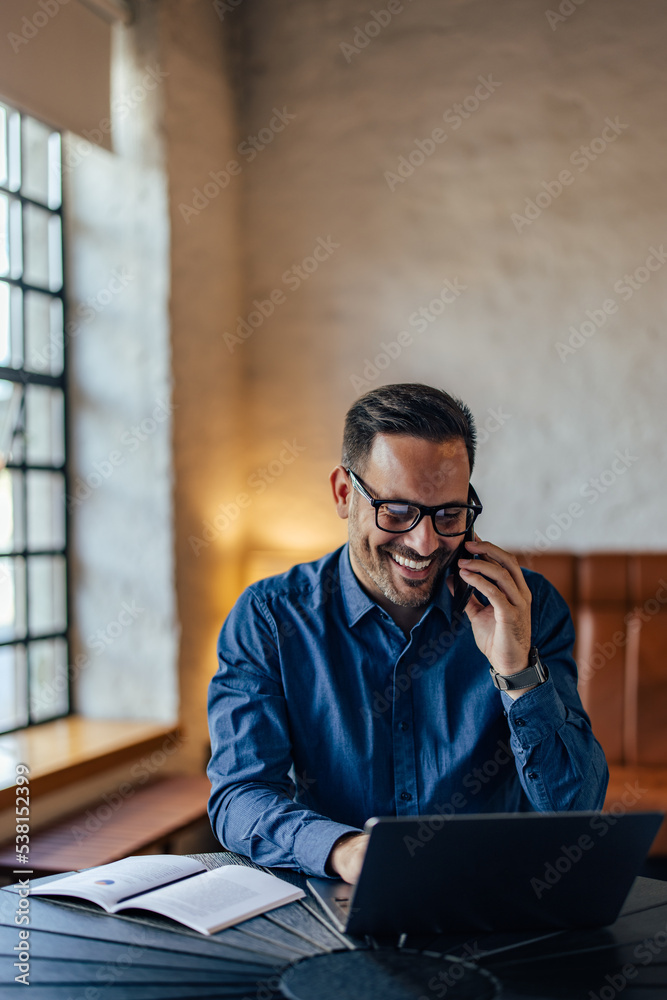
463	591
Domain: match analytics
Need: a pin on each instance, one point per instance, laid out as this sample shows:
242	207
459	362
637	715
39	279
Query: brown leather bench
619	606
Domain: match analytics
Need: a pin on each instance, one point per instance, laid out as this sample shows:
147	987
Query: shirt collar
356	600
358	603
442	598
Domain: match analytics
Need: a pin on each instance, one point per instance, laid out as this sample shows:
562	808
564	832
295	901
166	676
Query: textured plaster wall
551	422
210	415
125	632
158	424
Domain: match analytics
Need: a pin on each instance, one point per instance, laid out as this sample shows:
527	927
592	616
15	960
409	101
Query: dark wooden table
78	952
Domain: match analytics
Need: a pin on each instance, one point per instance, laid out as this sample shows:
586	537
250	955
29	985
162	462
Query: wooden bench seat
143	820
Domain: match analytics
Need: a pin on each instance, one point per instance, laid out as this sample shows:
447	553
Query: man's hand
502	629
347	857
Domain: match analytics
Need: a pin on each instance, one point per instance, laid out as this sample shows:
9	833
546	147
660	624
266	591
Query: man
350	688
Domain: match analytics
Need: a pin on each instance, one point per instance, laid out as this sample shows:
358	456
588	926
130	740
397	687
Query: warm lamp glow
262	563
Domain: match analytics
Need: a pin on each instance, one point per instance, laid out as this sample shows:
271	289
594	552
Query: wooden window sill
68	750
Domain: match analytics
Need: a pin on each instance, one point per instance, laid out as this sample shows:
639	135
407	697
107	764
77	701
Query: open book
179	888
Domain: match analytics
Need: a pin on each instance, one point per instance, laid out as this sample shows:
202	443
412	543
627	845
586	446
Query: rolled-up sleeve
560	764
251	807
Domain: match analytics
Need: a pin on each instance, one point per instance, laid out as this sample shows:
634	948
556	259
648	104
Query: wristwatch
535	673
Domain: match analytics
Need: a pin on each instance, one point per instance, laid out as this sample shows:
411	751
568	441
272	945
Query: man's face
405	568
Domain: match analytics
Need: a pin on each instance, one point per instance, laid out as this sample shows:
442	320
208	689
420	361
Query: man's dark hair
407	408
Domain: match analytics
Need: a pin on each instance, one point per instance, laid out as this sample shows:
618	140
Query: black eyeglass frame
476	507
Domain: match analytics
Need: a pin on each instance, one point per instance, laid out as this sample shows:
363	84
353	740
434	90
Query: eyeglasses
397	516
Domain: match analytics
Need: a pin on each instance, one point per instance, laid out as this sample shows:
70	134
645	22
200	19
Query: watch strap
535	673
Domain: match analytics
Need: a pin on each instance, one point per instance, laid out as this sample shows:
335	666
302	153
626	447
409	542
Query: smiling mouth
410	563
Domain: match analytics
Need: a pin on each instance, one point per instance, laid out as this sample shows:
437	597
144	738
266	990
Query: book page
109	884
218	898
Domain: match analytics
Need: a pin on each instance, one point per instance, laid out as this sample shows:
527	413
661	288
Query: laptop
491	872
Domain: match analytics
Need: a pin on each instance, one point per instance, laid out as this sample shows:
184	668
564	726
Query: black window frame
27	378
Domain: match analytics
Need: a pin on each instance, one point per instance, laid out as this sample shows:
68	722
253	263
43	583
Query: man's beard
375	563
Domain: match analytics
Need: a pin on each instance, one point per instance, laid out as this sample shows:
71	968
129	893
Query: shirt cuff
536	715
313	843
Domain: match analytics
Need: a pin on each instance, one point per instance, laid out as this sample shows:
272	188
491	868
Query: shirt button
406	797
519	722
403	726
532	774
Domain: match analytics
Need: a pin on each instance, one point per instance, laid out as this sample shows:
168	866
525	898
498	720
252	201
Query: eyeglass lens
401	517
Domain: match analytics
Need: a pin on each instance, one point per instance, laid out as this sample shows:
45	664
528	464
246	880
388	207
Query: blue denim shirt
322	714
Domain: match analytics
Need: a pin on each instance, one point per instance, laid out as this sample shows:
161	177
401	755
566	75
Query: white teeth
410	563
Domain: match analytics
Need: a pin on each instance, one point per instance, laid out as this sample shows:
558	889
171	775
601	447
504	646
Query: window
33	588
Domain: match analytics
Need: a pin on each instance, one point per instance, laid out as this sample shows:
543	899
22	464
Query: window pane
11	354
43	334
10	419
46	511
14	149
48	679
55	170
36	246
42	241
41	179
13	688
55	254
10	154
46	594
12	536
5	341
45	426
11	255
4	234
33	586
12	599
4	165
